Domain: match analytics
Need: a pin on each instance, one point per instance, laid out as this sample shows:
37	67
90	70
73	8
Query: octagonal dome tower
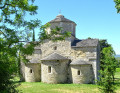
66	24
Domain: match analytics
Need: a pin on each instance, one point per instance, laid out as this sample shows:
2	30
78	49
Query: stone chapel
70	61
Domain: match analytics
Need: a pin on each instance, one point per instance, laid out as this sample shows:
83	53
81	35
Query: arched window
49	69
31	71
78	73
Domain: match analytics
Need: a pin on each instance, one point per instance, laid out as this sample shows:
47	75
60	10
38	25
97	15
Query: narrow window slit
31	71
78	72
49	69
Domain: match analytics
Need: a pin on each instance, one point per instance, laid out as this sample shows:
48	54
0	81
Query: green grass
38	87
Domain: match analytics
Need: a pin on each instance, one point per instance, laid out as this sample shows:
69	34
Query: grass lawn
38	87
57	88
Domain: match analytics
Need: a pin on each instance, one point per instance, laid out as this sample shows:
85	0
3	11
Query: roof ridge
60	18
80	62
54	56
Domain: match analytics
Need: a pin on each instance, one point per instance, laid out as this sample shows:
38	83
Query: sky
94	18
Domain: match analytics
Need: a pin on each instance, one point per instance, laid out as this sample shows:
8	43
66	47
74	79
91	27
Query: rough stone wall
98	60
22	71
85	76
63	48
92	56
32	72
88	54
58	73
76	53
35	55
70	39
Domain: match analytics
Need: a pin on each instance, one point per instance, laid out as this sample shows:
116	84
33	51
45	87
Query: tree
15	38
103	44
108	68
12	36
117	6
32	25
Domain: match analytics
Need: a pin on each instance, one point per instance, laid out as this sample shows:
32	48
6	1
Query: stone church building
70	61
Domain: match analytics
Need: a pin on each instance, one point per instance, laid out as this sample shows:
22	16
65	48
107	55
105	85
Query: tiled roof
34	61
54	56
85	43
75	42
60	18
80	62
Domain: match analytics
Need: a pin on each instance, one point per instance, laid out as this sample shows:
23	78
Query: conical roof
80	62
34	60
55	56
60	18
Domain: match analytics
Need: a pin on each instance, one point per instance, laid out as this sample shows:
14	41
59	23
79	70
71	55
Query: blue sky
94	18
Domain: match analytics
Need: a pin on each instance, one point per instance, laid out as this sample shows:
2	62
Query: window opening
49	69
55	48
78	72
31	71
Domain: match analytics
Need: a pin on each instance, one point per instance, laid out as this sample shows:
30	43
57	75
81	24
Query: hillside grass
39	87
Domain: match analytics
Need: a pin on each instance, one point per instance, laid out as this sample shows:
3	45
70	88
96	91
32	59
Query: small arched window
55	48
78	73
31	71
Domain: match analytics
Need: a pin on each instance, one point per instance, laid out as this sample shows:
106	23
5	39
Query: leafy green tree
117	6
108	67
103	44
32	25
15	38
12	36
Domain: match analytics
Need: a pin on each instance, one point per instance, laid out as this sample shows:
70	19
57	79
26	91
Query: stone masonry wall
66	26
32	72
22	71
62	47
85	76
88	54
58	72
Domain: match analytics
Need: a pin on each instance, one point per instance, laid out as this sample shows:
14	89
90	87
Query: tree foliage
32	25
103	44
108	67
12	36
17	37
117	5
